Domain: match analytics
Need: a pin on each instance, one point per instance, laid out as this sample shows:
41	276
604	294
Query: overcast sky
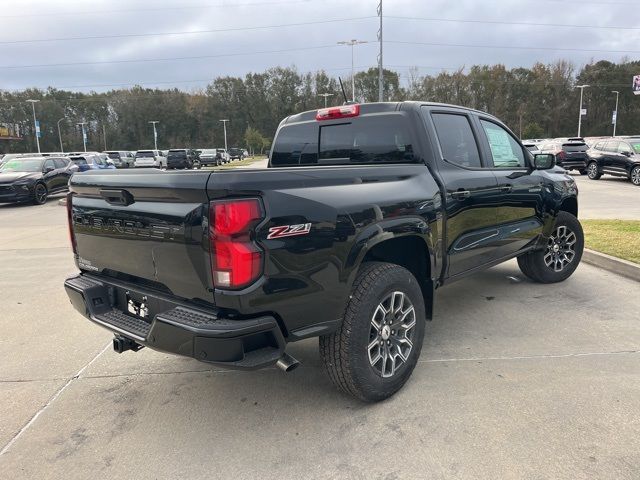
309	47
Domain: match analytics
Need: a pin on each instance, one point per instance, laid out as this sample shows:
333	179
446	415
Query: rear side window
367	140
456	140
598	146
611	146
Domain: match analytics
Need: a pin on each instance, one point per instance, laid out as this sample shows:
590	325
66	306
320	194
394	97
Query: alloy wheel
391	334
560	248
592	170
40	193
635	176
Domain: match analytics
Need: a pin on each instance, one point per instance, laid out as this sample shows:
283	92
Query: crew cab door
520	200
471	192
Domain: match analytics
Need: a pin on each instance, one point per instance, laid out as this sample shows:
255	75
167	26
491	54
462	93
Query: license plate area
137	305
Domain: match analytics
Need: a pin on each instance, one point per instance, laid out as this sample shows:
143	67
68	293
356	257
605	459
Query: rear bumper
577	164
177	327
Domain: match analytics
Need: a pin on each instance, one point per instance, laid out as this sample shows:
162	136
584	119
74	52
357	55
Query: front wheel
635	176
561	255
592	171
40	194
374	352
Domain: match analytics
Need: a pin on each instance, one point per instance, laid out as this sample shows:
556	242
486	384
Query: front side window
456	140
624	147
49	164
506	152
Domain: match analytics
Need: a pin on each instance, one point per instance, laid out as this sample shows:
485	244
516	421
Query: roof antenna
344	94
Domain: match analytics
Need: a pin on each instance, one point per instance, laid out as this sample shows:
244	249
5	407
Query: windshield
208	151
22	165
147	154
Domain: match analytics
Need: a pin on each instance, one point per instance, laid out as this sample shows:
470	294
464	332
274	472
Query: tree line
540	101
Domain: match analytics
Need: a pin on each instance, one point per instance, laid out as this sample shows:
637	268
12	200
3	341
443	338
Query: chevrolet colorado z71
363	212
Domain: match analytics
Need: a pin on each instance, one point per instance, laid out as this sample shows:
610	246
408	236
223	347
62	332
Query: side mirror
544	161
626	154
48	169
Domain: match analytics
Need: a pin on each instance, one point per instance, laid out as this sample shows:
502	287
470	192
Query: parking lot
516	380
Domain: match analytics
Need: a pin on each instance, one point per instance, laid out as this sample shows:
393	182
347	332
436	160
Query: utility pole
84	135
325	95
60	135
36	126
155	134
380	69
581	87
615	112
353	42
224	123
104	137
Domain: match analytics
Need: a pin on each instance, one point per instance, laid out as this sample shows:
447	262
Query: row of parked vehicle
594	156
32	177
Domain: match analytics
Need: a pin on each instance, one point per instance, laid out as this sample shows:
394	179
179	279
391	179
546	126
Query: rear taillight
561	155
344	111
236	261
72	235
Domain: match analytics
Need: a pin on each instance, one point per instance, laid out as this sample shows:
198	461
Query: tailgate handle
117	197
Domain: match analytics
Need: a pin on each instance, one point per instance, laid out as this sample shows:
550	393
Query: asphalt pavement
516	380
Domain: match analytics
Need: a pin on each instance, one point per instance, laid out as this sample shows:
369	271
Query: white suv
150	158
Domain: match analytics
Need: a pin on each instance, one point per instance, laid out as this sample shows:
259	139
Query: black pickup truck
363	212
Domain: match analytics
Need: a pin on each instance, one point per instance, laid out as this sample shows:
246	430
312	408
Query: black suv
181	158
618	157
570	153
236	153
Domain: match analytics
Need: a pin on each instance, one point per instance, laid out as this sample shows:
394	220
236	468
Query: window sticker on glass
504	149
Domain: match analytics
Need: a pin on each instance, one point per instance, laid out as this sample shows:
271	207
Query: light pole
353	42
60	135
84	135
581	87
224	123
155	134
615	112
35	122
325	95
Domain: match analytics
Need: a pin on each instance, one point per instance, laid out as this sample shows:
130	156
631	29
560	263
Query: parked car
236	153
224	155
363	212
150	158
532	147
210	156
33	179
570	153
121	158
617	157
181	158
91	162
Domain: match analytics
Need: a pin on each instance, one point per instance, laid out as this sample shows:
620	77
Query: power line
466	45
498	22
192	32
152	9
146	60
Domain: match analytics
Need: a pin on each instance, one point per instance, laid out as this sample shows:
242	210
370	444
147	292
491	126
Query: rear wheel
374	352
560	257
592	171
40	194
635	176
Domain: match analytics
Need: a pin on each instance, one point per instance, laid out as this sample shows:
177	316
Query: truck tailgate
144	226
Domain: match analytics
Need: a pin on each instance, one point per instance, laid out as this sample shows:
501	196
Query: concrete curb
612	264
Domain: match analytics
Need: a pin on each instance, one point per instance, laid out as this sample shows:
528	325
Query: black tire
535	265
592	171
634	176
40	194
346	353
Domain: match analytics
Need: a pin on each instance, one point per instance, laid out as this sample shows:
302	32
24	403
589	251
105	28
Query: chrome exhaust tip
287	363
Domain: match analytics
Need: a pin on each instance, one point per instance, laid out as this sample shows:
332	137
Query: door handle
506	188
461	193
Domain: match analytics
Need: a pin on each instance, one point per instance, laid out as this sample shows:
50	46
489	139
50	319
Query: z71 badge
289	231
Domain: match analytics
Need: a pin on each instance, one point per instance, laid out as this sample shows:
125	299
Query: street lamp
224	123
353	42
615	112
581	87
155	134
84	135
35	122
325	95
60	135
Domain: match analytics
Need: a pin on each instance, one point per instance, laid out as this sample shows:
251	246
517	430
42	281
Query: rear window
114	155
177	154
375	139
79	161
144	154
575	147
